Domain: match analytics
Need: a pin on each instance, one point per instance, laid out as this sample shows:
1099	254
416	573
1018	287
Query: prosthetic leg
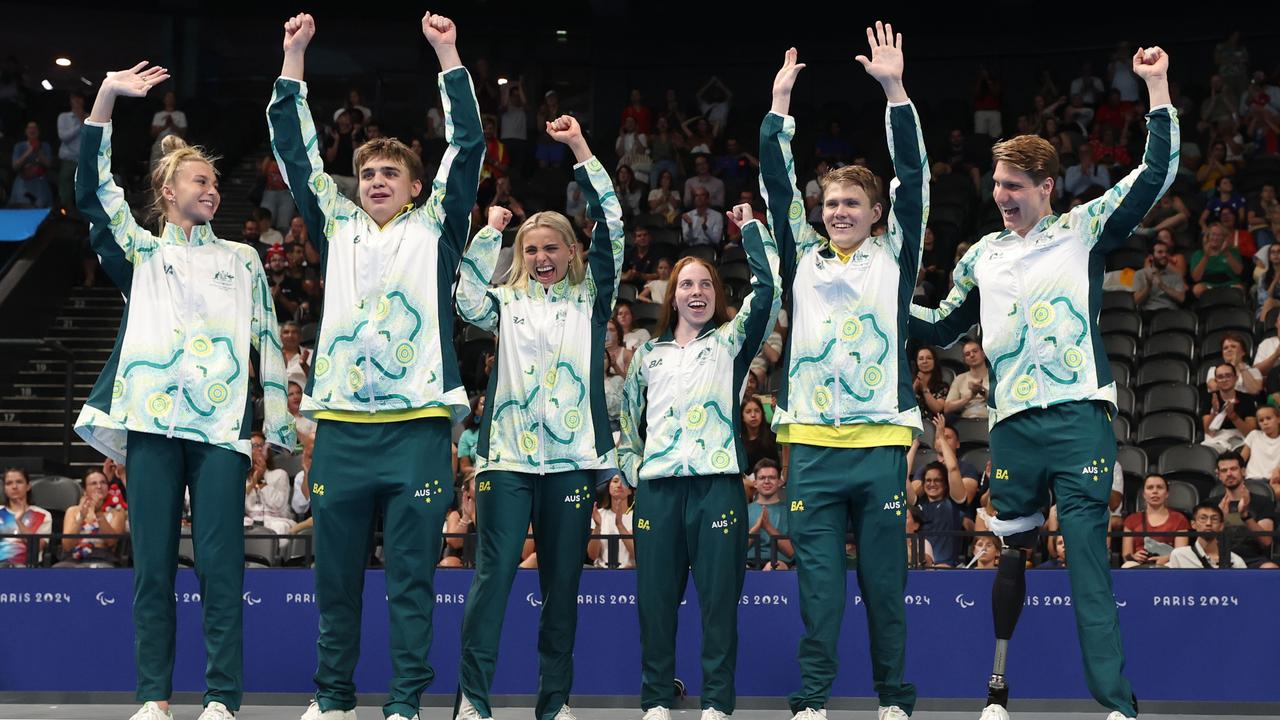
1008	594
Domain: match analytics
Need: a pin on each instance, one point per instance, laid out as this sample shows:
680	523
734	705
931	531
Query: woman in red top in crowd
1157	517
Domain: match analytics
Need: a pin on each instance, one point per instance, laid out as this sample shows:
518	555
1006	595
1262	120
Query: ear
1046	187
876	212
415	188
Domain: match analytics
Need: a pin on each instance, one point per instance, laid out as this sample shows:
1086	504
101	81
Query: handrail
68	416
614	541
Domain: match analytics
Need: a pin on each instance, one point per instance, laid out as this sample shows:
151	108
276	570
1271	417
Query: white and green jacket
544	410
385	341
681	405
194	308
1041	294
845	355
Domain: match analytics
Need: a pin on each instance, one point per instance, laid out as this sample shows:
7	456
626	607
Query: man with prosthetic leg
1040	281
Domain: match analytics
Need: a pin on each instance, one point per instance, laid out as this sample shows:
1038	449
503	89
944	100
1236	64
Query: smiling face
295	399
95	486
193	193
935	484
1021	200
767	483
924	360
848	214
546	255
695	295
290	336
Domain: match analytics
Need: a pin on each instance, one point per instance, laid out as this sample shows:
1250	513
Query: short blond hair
1031	154
390	149
175	151
552	220
856	175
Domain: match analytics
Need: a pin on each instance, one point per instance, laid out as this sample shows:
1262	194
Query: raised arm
475	302
114	235
784	202
1109	220
264	336
294	140
747	331
955	483
909	190
453	191
604	257
957	312
631	418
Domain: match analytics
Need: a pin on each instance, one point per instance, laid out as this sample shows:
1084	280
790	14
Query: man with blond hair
1051	386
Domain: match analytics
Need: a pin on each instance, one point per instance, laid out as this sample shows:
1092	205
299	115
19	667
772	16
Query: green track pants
402	470
559	507
685	523
828	488
160	469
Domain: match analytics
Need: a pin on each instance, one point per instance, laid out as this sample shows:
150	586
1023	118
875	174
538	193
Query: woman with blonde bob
174	396
684	450
545	431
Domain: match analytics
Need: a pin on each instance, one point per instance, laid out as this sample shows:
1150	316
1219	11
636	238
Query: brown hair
669	317
1031	154
853	175
393	150
175	151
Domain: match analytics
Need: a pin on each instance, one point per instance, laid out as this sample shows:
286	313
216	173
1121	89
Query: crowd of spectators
677	165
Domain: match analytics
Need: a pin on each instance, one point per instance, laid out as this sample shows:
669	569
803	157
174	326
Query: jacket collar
200	235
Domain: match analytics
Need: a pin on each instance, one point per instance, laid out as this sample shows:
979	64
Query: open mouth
544	273
379	196
696	305
1010	214
842	226
208	203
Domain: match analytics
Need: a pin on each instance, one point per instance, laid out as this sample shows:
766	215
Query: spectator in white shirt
612	516
703	225
169	121
266	492
69	126
1261	449
1204	552
967	397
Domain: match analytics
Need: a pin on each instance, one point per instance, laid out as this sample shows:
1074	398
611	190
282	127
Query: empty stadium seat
1229	318
1125	401
1120	373
1118	300
1172	344
54	493
1122	348
1196	464
1175	397
1163	370
1183	321
1133	461
971	433
1120	425
1123	322
1219	297
1162	430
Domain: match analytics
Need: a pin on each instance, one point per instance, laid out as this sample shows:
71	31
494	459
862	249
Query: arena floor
371	712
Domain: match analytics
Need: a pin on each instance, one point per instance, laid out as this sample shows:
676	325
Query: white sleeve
299	502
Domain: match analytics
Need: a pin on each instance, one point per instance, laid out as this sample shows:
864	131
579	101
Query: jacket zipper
185	289
1026	317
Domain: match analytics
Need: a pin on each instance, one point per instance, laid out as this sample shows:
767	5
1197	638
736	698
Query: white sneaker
398	716
564	713
1117	715
216	711
994	712
811	714
657	713
151	711
714	714
313	713
467	711
893	712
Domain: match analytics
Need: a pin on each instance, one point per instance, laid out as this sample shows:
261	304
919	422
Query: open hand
785	80
136	81
885	64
